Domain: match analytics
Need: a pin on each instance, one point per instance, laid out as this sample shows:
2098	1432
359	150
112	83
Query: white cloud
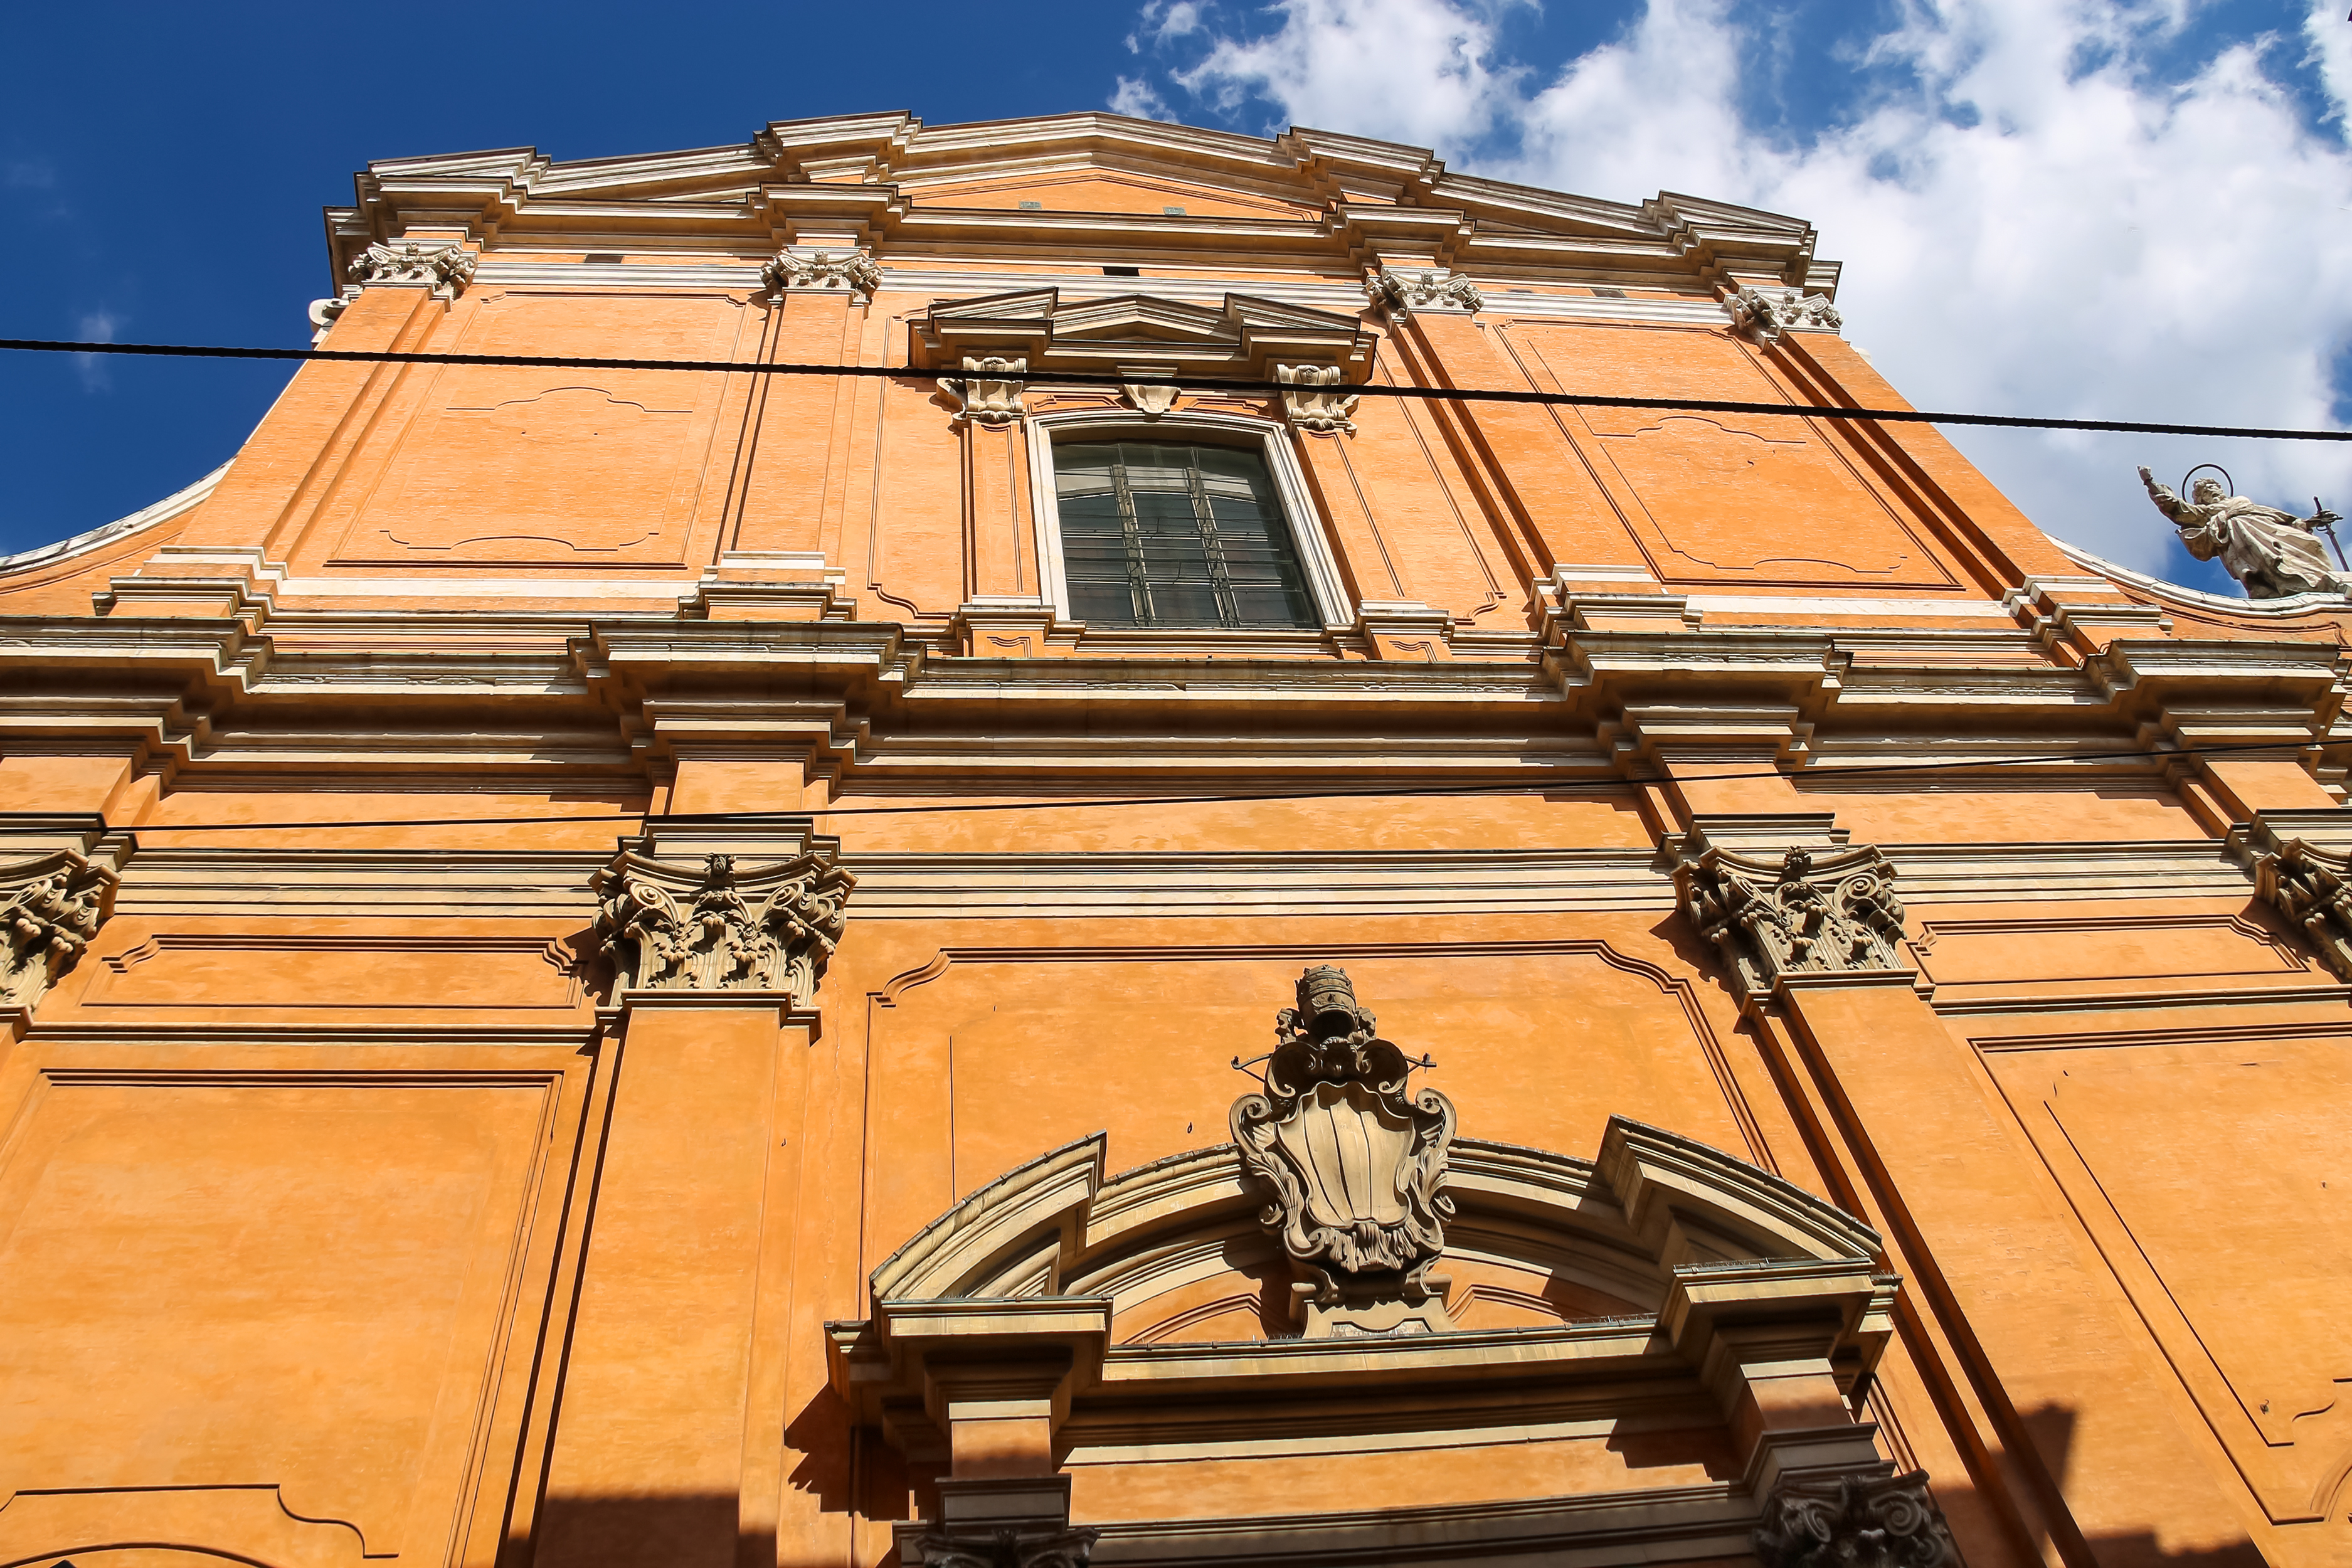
95	327
2024	232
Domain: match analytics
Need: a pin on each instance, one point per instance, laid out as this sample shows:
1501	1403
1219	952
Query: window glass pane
1159	534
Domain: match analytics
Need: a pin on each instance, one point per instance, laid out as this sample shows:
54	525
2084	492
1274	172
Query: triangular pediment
1243	336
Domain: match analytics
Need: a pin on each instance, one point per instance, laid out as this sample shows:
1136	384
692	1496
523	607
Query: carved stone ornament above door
666	928
1355	1166
50	908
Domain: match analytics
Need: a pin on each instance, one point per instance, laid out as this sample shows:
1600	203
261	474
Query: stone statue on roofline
2273	554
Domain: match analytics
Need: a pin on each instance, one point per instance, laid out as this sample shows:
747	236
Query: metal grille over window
1157	535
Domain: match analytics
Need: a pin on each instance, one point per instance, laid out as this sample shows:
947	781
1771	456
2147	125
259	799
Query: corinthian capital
812	269
50	907
1807	914
1855	1522
1765	316
1400	294
666	927
445	268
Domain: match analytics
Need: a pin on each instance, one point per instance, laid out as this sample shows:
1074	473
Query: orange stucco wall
347	1214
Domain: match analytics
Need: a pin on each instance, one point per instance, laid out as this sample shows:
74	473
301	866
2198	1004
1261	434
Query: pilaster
669	1442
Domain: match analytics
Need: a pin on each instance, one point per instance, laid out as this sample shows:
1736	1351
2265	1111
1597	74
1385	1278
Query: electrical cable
1088	378
1522	787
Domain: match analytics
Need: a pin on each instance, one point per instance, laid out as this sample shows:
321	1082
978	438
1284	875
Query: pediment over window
1245	337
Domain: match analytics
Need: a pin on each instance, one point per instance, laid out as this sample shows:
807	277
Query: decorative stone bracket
445	268
1849	1520
50	908
1400	294
1810	913
1355	1167
665	928
811	268
1319	403
988	393
1765	317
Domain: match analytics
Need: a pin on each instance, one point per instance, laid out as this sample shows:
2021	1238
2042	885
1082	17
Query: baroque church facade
1014	957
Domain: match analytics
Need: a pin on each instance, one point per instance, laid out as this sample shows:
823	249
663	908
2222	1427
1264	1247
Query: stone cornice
867	178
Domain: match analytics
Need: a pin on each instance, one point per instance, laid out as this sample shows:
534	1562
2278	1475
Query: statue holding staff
2273	553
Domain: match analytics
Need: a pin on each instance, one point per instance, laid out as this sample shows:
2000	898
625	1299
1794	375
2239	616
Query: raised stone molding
1765	316
1317	404
324	313
810	267
989	392
1811	912
445	268
1400	294
1356	1168
1855	1522
51	906
2302	863
665	927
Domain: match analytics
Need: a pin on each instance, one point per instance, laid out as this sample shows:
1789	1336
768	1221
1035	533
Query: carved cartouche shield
1354	1165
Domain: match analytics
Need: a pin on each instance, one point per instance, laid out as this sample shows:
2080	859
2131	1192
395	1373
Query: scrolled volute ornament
1765	316
1855	1522
446	266
1811	914
2312	890
1398	295
664	929
852	269
1354	1164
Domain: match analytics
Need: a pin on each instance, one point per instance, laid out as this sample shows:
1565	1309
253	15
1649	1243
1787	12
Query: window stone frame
1333	610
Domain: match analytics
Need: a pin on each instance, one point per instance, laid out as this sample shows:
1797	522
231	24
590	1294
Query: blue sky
2095	206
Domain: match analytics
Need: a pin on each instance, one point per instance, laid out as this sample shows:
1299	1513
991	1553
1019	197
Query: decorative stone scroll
1005	1548
1400	294
665	929
989	391
1355	1167
2312	889
851	269
1320	404
445	268
1832	913
50	908
1855	1522
1765	317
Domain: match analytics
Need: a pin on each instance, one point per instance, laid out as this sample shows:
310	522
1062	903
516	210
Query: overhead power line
1188	383
1377	792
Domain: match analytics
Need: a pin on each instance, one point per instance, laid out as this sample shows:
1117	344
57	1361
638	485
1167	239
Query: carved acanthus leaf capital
1320	401
1855	1522
1354	1165
1764	316
990	390
969	1548
1400	294
1808	913
812	269
666	928
50	908
445	268
2311	887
